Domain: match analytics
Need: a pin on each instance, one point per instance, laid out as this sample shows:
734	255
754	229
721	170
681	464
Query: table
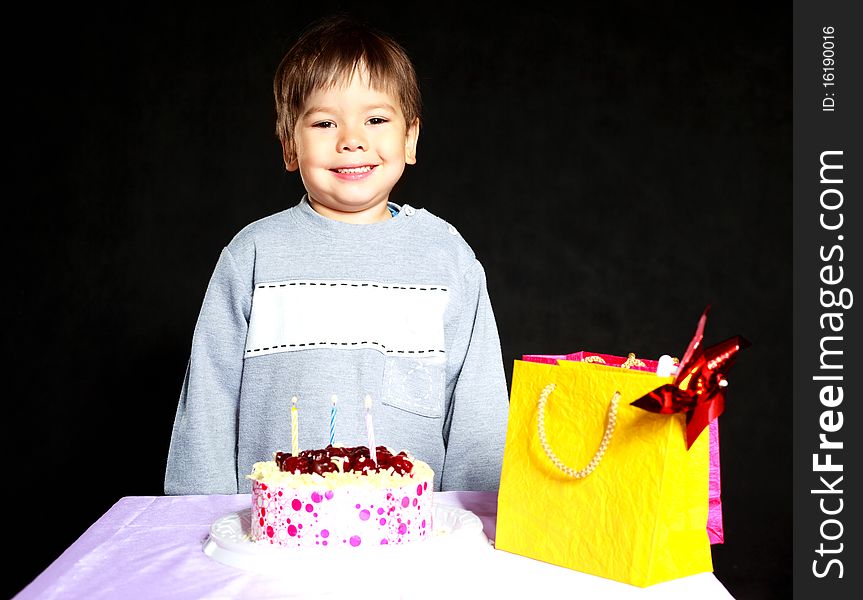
151	547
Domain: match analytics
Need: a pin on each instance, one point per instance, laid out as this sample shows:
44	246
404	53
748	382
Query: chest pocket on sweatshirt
415	385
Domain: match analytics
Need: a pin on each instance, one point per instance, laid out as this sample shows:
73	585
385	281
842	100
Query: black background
615	169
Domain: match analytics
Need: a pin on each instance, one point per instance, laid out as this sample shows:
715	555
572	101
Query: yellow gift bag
594	484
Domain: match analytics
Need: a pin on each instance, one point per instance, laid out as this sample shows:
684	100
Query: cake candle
333	420
370	429
295	438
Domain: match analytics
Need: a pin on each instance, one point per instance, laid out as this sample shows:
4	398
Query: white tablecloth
151	548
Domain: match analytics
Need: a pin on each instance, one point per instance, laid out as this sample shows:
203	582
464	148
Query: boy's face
351	145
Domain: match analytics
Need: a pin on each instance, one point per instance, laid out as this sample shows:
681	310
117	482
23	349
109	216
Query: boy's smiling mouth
353	172
361	169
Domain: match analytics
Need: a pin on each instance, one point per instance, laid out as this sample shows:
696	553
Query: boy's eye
377	121
324	124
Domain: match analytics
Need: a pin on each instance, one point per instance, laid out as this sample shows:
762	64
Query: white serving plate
454	532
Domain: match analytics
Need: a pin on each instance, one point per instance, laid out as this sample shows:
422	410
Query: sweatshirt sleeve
202	458
476	417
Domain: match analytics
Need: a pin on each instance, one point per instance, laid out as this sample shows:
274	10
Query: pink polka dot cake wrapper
347	517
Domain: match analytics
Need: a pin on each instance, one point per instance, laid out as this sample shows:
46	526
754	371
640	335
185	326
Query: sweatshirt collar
317	223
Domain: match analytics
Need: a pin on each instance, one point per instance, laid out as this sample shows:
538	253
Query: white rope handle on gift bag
611	421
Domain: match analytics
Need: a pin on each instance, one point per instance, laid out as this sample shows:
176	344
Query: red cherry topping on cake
356	459
401	464
292	464
324	467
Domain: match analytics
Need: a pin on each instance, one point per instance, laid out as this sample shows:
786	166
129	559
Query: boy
344	294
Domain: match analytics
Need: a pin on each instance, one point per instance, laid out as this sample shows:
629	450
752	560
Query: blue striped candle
333	420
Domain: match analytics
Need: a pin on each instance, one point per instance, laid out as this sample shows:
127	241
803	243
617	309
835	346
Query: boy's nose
352	141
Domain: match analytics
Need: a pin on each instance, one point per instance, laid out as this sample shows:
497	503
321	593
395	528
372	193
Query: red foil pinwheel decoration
698	388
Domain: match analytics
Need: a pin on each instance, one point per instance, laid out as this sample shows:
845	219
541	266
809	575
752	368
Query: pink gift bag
714	517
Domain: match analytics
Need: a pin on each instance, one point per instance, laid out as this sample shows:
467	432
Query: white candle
370	429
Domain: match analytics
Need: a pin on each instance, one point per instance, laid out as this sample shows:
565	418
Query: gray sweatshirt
303	306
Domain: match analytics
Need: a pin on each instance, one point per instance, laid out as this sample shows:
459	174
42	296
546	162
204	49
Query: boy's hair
328	53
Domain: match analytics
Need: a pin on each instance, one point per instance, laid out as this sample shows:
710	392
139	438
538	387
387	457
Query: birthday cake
339	497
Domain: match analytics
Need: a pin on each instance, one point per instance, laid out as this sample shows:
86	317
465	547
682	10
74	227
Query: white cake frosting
341	509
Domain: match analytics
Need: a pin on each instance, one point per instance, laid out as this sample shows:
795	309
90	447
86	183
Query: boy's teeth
355	170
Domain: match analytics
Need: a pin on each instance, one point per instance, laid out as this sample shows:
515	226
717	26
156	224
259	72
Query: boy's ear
411	139
288	156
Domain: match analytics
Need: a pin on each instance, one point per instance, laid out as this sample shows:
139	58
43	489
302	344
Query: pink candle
370	429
